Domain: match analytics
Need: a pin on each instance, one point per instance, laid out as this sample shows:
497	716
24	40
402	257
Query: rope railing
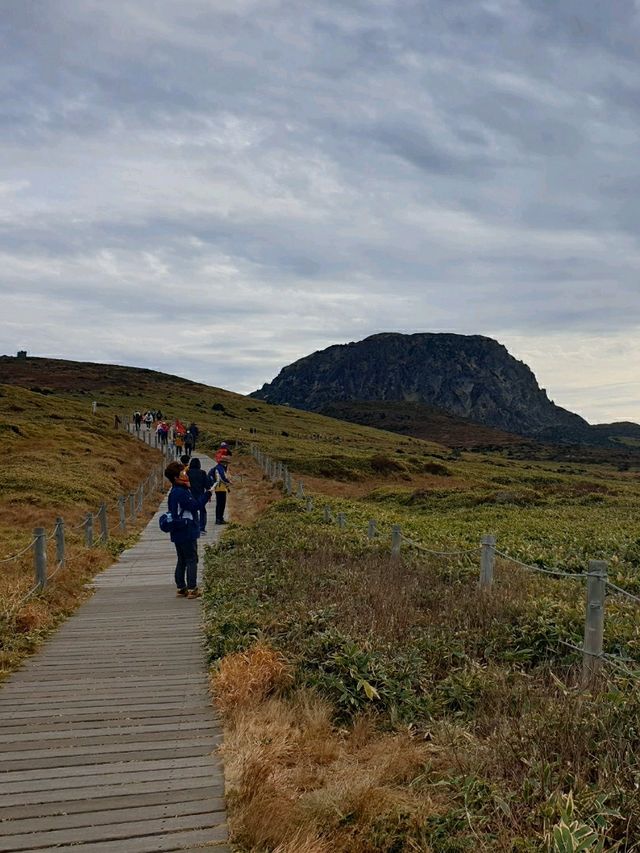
624	592
420	547
19	553
56	527
597	582
559	573
38	544
613	660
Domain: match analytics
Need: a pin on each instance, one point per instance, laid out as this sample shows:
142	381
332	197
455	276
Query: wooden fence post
300	489
104	523
327	514
309	504
594	621
40	557
121	512
88	530
342	520
396	540
487	561
371	529
132	506
60	557
140	496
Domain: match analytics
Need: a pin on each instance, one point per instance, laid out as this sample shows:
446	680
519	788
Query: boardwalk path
107	733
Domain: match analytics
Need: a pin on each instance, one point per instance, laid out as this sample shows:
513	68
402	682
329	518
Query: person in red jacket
223	452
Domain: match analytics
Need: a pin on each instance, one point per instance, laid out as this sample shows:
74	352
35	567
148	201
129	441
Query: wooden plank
115	803
114	832
149	844
98	714
87	755
97	792
68	783
121	767
105	731
112	816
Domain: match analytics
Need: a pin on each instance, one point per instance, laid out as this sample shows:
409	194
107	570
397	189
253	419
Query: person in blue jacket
184	509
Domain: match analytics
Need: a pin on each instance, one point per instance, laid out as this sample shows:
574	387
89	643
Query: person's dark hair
195	463
173	470
184	459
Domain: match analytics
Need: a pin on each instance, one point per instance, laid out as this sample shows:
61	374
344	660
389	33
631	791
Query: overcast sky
218	187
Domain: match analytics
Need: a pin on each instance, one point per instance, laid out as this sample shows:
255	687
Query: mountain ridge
468	376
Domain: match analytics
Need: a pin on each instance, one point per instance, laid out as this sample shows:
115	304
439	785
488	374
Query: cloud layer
217	188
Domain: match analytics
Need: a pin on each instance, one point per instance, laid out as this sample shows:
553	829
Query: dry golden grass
293	777
252	492
247	678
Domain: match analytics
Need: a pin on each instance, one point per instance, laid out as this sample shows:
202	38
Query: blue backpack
169	523
166	522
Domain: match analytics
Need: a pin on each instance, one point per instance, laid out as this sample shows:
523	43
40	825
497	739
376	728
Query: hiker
148	420
221	483
137	419
162	431
184	510
178	441
195	432
201	489
223	452
188	443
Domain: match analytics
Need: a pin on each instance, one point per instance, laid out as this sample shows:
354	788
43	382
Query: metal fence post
327	514
40	556
341	519
121	512
396	540
487	561
371	529
594	621
104	523
60	541
88	530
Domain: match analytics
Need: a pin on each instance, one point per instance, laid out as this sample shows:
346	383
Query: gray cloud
273	176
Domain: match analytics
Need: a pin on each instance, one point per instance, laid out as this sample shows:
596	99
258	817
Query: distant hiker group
186	519
179	439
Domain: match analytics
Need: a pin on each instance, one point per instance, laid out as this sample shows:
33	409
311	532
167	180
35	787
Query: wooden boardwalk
108	732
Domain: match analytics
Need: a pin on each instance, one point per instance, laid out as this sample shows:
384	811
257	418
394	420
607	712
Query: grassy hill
371	703
425	422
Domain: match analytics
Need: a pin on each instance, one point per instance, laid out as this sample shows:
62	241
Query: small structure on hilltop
22	353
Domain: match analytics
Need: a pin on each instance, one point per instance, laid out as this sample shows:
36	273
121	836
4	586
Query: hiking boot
194	593
182	593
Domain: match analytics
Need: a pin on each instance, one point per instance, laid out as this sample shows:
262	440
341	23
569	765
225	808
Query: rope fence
596	576
92	523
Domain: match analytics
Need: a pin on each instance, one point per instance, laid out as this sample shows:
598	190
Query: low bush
477	689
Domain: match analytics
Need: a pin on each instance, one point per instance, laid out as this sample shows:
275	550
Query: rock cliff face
467	375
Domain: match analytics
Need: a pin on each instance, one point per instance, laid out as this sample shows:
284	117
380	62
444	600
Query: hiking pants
221	502
187	564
